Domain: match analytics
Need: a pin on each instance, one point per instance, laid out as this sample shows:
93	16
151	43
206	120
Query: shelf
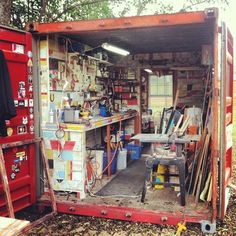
126	80
92	99
126	98
101	77
63	91
92	58
125	92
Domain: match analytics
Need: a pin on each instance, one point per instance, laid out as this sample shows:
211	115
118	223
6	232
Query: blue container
103	111
134	151
113	164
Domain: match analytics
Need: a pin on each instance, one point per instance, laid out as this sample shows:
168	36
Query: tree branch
44	3
69	8
200	2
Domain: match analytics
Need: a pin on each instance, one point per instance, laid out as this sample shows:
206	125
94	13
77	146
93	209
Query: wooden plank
11	227
201	167
199	162
178	123
35	223
185	125
5	184
46	169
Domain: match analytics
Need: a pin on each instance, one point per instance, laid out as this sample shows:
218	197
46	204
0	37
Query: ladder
3	173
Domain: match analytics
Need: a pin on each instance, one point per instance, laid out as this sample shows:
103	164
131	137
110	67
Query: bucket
103	111
113	165
122	159
134	151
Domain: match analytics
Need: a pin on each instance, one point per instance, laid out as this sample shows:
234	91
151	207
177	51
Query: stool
177	161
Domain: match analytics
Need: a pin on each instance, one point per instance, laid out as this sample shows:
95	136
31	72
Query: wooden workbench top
93	123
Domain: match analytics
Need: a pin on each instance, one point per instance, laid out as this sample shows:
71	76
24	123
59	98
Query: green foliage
24	11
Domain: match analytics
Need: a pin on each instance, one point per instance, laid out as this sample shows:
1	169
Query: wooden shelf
125	92
63	91
126	98
93	58
92	99
126	80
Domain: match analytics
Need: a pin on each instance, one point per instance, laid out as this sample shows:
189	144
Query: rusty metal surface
143	34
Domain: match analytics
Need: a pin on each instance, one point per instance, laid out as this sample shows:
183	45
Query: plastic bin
122	159
113	164
134	151
97	162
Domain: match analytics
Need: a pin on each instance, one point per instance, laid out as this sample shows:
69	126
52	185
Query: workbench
65	145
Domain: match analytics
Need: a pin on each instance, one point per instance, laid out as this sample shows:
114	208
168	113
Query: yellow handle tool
181	227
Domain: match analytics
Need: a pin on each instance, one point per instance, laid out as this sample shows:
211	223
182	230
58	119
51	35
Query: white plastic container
97	163
122	159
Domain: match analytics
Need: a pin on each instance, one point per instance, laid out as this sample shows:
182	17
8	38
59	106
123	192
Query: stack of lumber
201	176
11	227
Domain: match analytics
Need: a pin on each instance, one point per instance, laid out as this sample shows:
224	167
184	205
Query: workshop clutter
191	115
159	175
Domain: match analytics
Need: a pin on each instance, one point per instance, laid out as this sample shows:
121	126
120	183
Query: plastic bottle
51	116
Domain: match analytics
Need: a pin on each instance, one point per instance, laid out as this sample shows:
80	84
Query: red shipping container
19	161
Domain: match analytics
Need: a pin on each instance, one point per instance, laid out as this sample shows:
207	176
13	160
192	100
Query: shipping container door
19	160
226	117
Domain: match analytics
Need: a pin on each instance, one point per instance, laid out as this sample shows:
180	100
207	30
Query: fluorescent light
148	71
115	49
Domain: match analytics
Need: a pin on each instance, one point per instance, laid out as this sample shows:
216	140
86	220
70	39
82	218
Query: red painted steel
129	214
228	78
118	23
214	142
19	160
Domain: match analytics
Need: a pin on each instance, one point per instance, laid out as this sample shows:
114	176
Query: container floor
124	189
128	182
